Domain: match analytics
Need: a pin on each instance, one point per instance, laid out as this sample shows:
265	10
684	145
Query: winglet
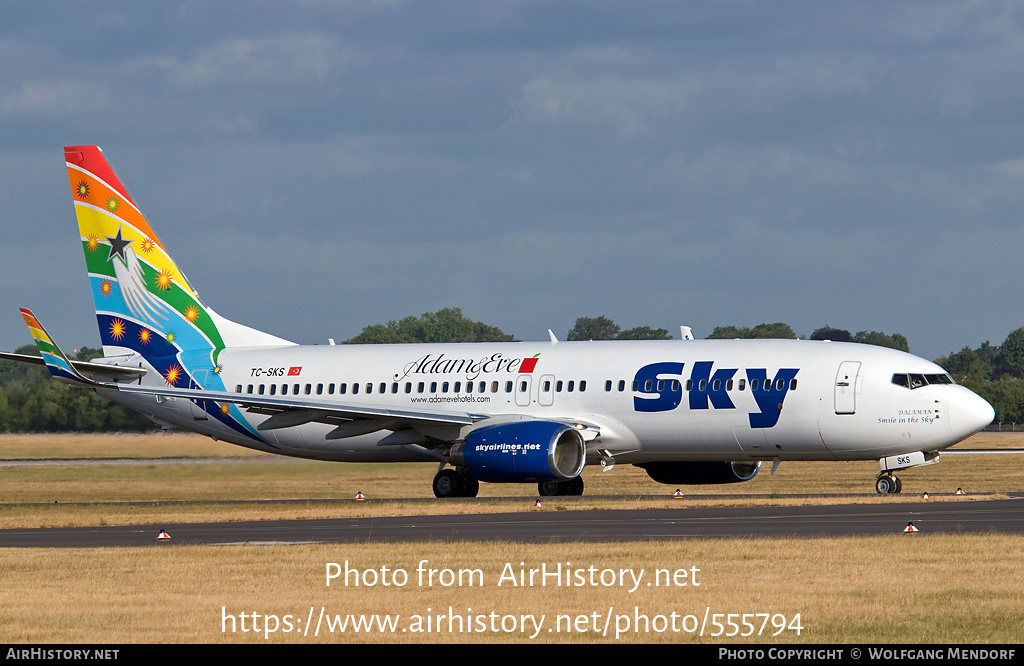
551	334
56	362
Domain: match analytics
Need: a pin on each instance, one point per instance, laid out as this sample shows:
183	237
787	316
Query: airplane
685	411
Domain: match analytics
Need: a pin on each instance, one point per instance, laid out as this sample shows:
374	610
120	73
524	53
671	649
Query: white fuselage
650	401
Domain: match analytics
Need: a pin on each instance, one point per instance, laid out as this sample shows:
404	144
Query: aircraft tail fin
144	303
56	361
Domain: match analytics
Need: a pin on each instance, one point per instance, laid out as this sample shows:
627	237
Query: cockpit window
914	381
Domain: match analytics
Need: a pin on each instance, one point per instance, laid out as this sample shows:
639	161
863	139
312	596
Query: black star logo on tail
117	246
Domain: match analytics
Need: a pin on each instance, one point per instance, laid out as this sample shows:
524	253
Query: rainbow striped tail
144	303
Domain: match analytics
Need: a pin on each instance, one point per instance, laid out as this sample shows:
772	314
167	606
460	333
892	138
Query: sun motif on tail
117	329
173	375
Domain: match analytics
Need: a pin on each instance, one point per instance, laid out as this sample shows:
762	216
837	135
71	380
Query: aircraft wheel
885	485
550	488
471	488
899	484
575	487
449	483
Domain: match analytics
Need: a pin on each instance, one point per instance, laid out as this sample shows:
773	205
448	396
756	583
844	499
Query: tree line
31	402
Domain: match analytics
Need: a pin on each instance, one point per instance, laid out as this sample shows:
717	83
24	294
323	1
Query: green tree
1012	352
729	333
1006	397
763	331
894	341
978	364
826	332
447	325
644	333
776	330
593	328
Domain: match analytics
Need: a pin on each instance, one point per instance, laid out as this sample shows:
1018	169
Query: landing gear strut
455	483
553	488
886	483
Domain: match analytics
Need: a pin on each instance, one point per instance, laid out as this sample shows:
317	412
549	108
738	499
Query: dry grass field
930	589
196	470
913	589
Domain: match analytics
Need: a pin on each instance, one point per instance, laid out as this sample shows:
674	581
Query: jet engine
701	472
522	452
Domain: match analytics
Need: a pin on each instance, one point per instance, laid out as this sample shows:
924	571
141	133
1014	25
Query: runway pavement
547	525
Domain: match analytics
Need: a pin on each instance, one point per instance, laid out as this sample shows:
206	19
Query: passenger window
408	387
743	384
754	383
572	385
508	387
273	389
295	389
383	388
355	388
261	389
608	385
583	385
716	385
792	384
547	385
433	387
284	389
457	387
728	385
248	389
342	388
319	389
444	387
309	388
558	386
494	387
419	387
622	385
522	387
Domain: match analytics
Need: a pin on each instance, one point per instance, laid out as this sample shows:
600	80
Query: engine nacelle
701	472
522	452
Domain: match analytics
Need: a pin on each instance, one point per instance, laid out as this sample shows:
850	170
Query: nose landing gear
886	483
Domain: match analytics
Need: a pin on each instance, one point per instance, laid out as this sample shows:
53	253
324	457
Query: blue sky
316	167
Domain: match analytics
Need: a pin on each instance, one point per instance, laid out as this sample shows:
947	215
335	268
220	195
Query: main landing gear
886	483
455	483
459	482
553	488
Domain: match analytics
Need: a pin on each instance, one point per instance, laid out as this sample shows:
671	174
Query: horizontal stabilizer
59	365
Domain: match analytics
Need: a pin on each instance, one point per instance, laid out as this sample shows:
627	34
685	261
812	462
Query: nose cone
969	413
